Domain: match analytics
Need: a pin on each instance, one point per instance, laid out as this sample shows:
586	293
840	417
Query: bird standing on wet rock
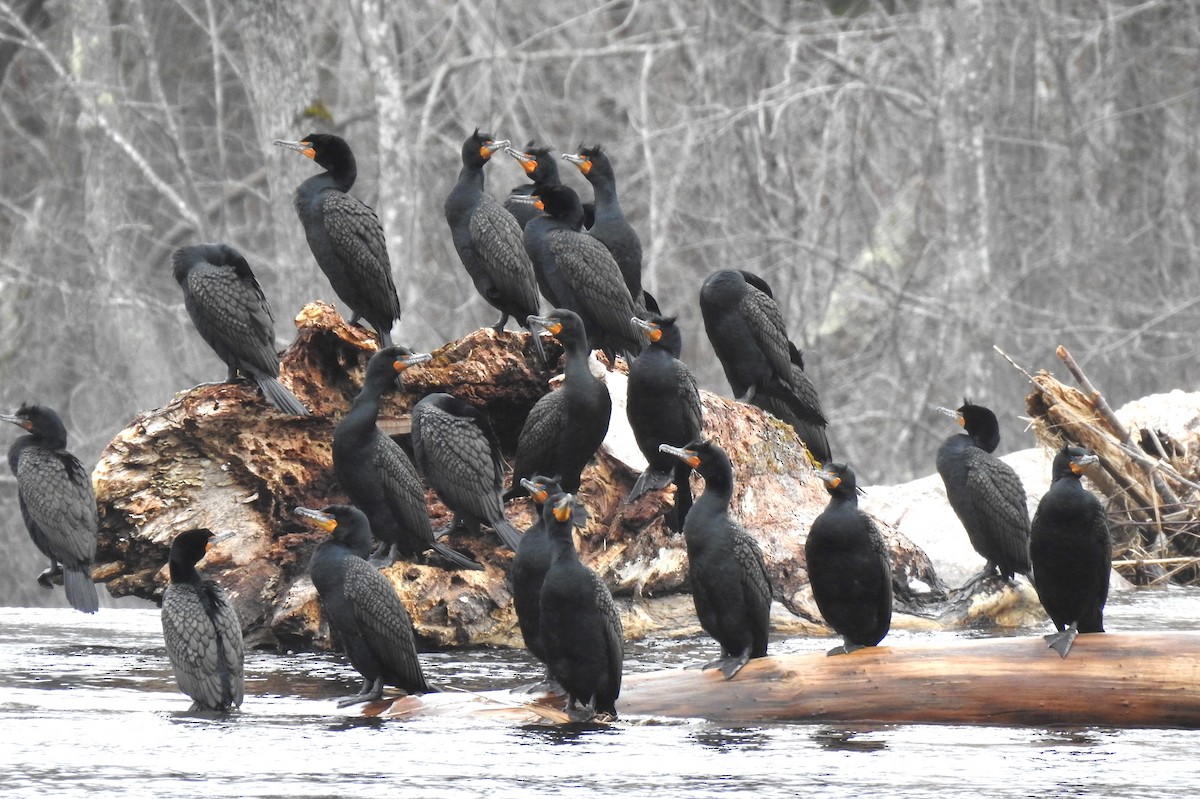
530	564
231	314
201	629
57	503
363	611
345	235
1071	551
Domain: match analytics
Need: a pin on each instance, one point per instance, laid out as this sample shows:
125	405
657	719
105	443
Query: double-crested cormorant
848	565
376	473
985	492
580	626
345	235
763	367
233	317
201	629
565	427
361	606
662	404
457	451
488	238
1071	552
730	586
529	567
57	503
542	169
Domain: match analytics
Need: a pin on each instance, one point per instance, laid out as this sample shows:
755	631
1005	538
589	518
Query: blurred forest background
918	180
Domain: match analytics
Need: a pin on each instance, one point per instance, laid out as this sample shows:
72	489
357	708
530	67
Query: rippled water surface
88	707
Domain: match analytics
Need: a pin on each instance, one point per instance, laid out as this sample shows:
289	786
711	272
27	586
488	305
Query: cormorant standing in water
985	493
663	407
345	235
361	606
488	238
1071	552
57	503
201	629
730	586
542	169
231	314
565	427
457	451
376	473
580	626
763	367
848	565
530	564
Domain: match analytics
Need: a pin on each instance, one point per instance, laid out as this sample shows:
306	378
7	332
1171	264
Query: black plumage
1071	551
763	366
530	564
542	169
662	404
232	315
985	492
730	586
57	504
201	629
376	473
565	427
457	451
364	613
580	627
344	234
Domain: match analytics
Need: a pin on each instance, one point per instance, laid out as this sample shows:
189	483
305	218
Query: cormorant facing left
232	315
361	606
530	564
201	629
542	169
345	235
57	503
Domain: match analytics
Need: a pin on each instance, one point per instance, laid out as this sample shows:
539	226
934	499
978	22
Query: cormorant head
723	289
662	331
42	423
839	480
541	488
346	523
190	546
1071	461
703	455
390	363
589	158
560	202
329	151
562	323
981	425
479	147
537	162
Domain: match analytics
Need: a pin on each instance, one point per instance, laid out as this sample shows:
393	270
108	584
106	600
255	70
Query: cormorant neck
182	572
562	547
718	482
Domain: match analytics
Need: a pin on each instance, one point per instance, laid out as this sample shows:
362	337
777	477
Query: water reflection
848	739
731	738
570	733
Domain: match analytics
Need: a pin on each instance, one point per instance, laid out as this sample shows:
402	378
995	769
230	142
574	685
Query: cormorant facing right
232	315
542	169
361	606
58	506
345	235
201	629
1071	552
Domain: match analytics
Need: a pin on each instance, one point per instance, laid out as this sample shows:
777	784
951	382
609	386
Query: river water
88	707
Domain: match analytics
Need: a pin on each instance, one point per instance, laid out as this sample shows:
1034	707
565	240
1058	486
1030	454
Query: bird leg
371	691
384	555
454	525
501	322
748	397
730	665
1061	641
46	578
845	649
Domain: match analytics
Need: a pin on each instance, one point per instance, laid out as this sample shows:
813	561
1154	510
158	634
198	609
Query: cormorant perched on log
763	367
663	407
985	493
488	238
565	427
580	626
848	566
345	235
730	586
530	564
457	451
361	606
232	315
1071	551
542	169
376	473
201	629
57	503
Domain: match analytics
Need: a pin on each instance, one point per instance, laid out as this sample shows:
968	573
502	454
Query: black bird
730	586
345	235
985	493
488	238
376	473
1071	551
57	503
542	169
457	451
201	629
565	427
575	271
763	367
848	565
364	613
609	224
662	404
231	314
529	567
580	626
